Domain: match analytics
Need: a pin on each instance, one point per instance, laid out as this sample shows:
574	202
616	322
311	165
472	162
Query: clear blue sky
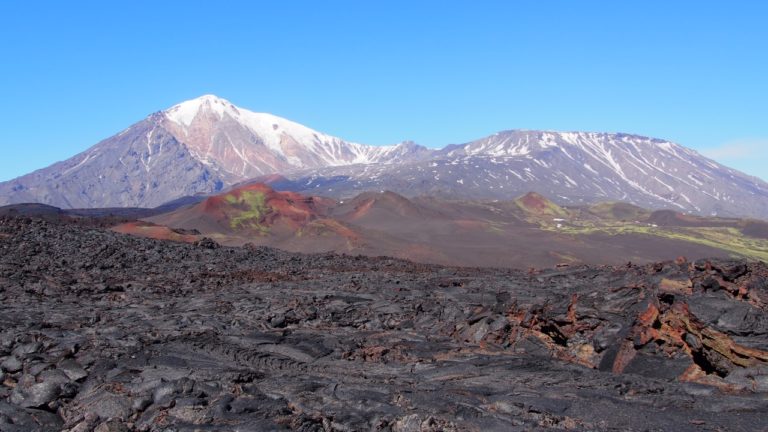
378	72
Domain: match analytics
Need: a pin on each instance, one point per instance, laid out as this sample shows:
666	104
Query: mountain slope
247	144
571	168
196	147
144	165
205	145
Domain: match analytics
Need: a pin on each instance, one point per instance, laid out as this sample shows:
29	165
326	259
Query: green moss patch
250	208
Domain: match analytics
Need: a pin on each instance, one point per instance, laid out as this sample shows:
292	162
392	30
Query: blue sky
378	72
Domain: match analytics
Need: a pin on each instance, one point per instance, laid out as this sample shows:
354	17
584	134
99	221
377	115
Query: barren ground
107	332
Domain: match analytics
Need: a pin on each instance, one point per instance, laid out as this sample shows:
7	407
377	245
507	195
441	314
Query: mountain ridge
572	168
204	145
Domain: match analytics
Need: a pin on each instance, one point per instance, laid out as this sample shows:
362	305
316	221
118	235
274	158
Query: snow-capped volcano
570	167
207	144
247	144
198	146
584	166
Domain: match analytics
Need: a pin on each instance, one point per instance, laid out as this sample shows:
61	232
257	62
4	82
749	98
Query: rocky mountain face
142	166
572	168
205	145
197	147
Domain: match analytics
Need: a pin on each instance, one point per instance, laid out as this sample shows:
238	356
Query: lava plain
109	332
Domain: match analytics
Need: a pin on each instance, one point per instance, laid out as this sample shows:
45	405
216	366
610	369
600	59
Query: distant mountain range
207	145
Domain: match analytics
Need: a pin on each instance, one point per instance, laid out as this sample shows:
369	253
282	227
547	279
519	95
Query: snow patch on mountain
279	134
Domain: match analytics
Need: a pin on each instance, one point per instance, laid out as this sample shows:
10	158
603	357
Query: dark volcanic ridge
107	332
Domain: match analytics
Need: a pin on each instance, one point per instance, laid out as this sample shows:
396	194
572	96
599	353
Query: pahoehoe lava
106	332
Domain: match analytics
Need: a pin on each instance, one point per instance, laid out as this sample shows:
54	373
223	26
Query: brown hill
256	213
253	210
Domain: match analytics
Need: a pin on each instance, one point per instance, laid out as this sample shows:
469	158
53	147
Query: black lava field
105	332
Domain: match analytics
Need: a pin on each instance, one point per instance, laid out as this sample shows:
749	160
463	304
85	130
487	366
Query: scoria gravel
105	332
